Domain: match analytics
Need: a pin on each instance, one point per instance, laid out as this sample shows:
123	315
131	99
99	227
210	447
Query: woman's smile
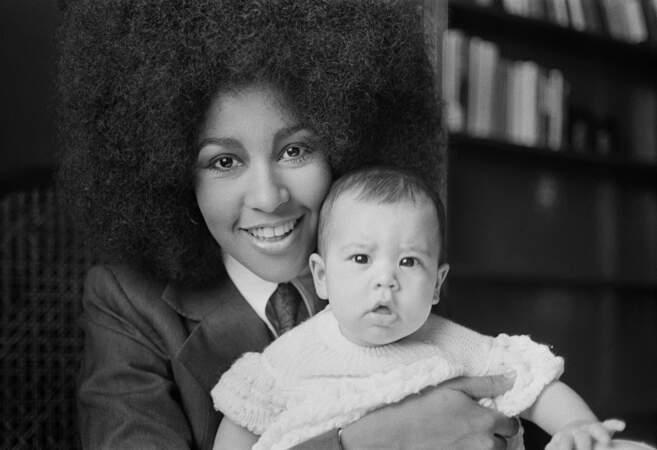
272	233
275	240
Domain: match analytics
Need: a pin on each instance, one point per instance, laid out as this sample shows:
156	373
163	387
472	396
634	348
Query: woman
201	138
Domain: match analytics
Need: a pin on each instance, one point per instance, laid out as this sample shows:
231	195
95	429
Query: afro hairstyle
136	77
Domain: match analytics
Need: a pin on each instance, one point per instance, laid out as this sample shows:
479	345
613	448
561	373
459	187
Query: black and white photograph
328	224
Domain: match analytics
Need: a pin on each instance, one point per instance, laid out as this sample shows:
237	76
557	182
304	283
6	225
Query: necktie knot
285	308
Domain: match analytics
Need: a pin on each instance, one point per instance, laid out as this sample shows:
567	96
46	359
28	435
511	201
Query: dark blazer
152	354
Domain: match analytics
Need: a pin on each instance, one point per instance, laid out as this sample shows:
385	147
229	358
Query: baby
380	267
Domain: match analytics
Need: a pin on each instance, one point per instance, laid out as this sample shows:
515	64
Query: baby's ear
318	270
443	270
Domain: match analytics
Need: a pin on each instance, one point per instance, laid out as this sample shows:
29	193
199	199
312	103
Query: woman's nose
266	191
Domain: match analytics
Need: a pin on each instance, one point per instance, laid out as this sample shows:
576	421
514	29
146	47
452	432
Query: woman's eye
408	261
225	163
360	259
295	152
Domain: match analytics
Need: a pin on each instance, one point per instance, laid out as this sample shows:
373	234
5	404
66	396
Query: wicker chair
41	271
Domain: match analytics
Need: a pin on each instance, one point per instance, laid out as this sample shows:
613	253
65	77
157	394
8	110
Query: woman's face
261	178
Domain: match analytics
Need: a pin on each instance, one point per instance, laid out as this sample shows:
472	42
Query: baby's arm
563	413
231	436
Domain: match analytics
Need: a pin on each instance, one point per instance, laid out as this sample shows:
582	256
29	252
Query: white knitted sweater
312	379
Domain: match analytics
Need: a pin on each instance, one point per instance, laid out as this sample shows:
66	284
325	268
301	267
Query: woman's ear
443	270
318	270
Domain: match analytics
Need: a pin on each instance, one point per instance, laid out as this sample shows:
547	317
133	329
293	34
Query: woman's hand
443	417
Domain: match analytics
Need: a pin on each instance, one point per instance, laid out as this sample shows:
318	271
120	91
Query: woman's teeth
277	232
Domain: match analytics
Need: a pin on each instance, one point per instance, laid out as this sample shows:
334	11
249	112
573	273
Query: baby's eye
225	163
360	259
408	261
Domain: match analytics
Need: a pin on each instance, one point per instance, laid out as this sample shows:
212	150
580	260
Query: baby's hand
583	435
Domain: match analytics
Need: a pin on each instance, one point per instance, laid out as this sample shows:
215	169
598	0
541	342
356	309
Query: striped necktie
285	308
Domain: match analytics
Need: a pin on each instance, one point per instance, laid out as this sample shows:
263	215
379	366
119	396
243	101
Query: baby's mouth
273	233
382	309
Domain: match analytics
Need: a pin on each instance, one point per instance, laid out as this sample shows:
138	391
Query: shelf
468	274
459	142
494	21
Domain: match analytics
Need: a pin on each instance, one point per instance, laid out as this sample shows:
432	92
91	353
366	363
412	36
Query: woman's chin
279	270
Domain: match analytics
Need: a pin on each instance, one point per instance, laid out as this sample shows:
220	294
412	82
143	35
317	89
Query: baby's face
380	267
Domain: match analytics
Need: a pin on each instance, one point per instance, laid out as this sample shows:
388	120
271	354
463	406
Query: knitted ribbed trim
535	367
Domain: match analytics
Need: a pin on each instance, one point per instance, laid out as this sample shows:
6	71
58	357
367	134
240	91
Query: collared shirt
257	291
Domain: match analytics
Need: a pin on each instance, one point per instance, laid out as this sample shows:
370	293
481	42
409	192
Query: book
650	14
537	9
558	12
556	95
625	20
482	61
615	18
510	6
592	16
517	7
524	120
454	43
576	11
512	101
500	98
636	31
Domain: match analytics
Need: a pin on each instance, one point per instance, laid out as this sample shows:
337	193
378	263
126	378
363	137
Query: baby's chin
375	341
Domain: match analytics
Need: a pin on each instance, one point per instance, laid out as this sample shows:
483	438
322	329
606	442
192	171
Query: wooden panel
524	218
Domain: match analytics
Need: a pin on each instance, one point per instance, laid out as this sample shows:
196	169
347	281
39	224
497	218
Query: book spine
555	106
453	43
488	55
650	14
474	44
576	15
592	16
636	24
561	12
500	94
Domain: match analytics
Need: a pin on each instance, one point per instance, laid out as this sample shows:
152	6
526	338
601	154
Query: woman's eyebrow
288	131
222	142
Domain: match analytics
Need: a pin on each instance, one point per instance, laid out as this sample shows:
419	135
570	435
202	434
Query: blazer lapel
220	337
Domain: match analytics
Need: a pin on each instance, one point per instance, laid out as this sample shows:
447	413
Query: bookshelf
552	201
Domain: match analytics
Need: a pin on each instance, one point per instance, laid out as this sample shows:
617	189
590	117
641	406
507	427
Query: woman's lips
273	233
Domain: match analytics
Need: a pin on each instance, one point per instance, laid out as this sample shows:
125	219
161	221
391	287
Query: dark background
27	52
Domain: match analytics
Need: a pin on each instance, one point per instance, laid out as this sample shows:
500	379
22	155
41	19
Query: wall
27	52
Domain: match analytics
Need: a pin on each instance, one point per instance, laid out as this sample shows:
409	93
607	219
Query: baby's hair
382	185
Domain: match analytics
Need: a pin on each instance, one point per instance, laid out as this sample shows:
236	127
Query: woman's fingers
480	441
481	387
506	427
